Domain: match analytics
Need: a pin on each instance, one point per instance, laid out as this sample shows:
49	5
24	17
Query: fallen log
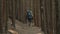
13	31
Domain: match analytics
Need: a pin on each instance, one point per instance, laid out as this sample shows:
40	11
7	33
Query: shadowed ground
25	29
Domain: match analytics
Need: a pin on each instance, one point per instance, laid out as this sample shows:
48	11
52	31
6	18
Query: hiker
29	17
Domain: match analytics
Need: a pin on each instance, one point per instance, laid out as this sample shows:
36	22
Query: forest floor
25	29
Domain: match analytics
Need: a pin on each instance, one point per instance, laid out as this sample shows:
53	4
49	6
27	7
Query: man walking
29	17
